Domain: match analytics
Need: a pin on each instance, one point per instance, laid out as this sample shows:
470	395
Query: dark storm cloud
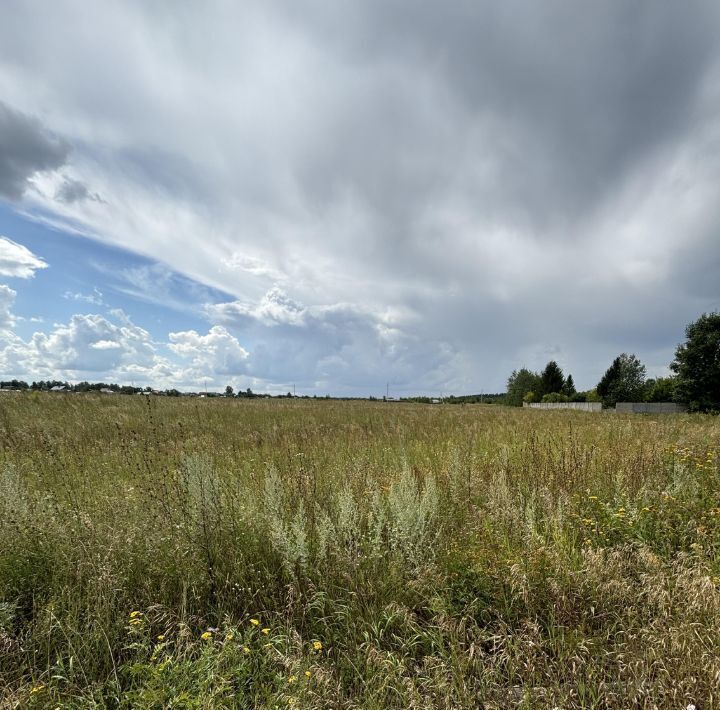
75	191
558	100
26	148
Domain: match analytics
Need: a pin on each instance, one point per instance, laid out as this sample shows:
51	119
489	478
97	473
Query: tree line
695	380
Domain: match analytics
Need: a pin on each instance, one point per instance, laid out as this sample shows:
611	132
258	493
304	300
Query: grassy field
222	553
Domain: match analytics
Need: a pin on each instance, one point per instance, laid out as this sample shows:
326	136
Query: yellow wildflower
230	636
292	679
308	674
37	689
206	636
135	614
161	637
317	645
255	622
266	631
592	497
246	649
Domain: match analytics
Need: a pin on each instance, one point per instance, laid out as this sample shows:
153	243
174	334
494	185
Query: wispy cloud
17	261
95	298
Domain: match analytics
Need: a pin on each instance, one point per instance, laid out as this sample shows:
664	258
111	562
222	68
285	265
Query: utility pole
387	390
293	390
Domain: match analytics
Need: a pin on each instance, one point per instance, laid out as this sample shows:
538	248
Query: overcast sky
344	194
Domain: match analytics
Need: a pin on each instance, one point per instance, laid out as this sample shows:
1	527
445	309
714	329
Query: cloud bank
432	195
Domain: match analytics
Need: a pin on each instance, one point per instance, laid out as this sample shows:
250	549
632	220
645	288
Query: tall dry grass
391	555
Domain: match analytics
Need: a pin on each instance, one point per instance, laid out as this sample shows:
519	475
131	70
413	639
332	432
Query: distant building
59	388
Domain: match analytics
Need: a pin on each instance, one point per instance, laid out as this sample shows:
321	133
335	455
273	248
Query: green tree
555	397
229	391
569	387
623	381
697	364
660	390
552	378
519	384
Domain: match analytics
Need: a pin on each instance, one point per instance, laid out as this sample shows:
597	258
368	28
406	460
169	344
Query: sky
346	196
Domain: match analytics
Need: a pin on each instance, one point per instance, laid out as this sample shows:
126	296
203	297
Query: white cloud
17	260
95	298
106	345
82	345
217	353
275	308
88	346
341	347
252	265
7	299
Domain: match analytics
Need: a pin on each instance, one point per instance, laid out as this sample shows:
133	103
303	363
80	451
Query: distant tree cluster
696	380
491	398
624	381
14	384
550	385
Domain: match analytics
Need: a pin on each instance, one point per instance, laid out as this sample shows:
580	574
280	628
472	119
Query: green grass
397	555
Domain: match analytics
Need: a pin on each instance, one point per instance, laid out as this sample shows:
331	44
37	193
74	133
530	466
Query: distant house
107	390
59	388
435	401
